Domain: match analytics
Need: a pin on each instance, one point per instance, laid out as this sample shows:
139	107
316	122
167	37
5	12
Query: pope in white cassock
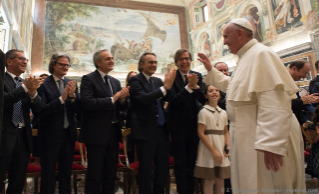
266	144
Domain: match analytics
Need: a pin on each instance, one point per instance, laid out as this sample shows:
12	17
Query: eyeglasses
186	58
22	59
152	62
64	65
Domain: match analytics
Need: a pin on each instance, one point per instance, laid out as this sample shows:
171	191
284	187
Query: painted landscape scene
80	30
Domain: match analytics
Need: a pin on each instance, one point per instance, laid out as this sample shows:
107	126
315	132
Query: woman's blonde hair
128	77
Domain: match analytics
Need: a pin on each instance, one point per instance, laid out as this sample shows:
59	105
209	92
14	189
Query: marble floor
312	186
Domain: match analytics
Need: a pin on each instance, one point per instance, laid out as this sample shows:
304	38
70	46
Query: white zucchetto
243	23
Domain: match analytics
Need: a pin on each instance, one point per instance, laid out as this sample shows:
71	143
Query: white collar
102	74
12	75
147	77
212	108
183	73
56	78
246	47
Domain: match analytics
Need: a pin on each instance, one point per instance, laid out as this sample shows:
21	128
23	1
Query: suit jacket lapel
113	85
145	82
179	80
53	86
100	82
8	79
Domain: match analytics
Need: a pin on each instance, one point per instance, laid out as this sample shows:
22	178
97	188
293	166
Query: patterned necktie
17	116
108	89
186	80
61	88
161	117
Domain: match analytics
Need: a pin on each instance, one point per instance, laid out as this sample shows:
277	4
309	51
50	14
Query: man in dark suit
16	140
182	111
57	127
300	69
149	124
101	128
314	80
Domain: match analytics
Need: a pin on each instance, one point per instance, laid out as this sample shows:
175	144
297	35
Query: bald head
222	67
236	37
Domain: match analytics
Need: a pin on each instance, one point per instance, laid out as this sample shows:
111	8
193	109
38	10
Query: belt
20	129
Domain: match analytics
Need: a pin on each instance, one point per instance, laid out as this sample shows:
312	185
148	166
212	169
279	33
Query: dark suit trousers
62	153
154	150
102	165
16	163
184	146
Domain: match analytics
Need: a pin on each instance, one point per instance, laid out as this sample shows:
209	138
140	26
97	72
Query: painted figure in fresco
283	12
310	19
253	18
271	33
132	45
204	44
221	48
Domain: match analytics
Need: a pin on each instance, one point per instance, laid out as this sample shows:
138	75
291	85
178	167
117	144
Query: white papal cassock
259	109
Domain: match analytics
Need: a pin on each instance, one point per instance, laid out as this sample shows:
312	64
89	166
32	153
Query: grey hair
12	53
54	59
97	57
142	60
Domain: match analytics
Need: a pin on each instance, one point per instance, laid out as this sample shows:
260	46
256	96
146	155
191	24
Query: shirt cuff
61	100
188	89
25	88
33	97
163	90
112	100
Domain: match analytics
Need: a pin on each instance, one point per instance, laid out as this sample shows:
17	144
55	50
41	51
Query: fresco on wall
221	49
231	2
84	29
18	6
310	19
250	13
204	44
219	4
286	14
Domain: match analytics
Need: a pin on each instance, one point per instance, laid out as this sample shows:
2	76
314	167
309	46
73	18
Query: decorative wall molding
7	12
295	50
16	39
315	43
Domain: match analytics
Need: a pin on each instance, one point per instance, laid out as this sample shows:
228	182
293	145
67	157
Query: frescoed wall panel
287	15
126	33
279	24
250	13
221	49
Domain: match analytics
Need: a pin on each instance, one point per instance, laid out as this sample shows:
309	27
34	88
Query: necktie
186	80
108	89
61	88
161	117
17	115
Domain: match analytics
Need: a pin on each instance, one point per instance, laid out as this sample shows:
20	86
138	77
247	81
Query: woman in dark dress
127	118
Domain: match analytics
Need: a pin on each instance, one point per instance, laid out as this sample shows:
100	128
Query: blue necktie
17	116
161	117
108	89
